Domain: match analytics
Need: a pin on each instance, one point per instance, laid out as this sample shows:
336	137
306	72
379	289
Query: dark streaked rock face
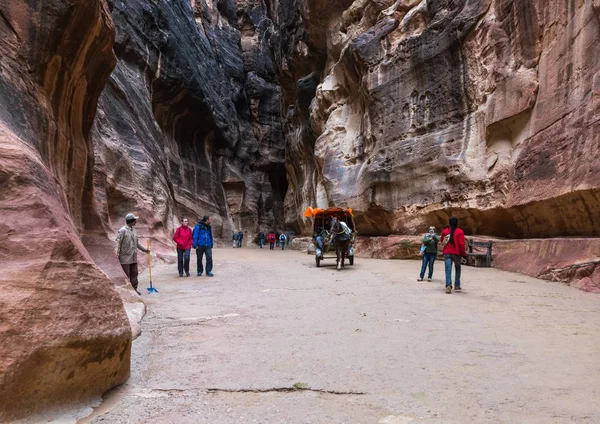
425	109
189	122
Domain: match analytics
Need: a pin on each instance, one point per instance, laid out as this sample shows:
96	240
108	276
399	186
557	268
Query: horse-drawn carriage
333	228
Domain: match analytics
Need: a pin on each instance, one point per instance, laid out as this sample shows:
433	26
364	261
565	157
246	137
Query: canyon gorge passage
406	111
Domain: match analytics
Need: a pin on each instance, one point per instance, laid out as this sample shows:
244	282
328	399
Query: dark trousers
271	245
183	261
200	251
131	270
428	260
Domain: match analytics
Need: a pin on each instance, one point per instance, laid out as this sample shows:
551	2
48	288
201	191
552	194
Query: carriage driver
319	236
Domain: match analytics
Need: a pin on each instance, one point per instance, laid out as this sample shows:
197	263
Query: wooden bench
479	259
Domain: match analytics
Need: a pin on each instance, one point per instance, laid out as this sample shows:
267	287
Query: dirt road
272	339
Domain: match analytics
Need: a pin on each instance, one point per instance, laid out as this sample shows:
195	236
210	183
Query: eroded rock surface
189	122
166	109
417	110
65	335
406	111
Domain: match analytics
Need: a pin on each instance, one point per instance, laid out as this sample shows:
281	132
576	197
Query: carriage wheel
318	261
351	260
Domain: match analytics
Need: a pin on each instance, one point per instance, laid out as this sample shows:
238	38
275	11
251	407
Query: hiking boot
457	288
181	274
210	274
448	289
419	279
429	279
199	274
187	274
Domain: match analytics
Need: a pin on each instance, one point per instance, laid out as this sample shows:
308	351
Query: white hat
131	217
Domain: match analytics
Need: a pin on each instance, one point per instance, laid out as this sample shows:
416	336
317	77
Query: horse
341	241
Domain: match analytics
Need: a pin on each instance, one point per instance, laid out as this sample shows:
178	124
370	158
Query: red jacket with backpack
457	247
271	238
183	237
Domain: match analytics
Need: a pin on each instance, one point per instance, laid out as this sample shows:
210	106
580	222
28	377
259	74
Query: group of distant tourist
274	238
238	236
452	240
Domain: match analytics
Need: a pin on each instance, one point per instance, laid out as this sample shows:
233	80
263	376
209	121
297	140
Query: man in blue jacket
203	243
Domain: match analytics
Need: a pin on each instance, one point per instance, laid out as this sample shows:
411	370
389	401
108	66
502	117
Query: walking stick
150	289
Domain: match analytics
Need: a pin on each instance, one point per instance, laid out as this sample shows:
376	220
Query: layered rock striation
65	335
166	109
408	111
412	111
189	122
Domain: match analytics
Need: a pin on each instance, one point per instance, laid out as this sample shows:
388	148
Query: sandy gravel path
272	339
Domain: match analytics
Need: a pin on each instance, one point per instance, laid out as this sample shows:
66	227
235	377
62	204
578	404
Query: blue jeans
200	251
320	242
260	243
183	261
428	260
448	260
282	245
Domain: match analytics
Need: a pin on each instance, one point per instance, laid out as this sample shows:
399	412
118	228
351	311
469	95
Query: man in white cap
126	245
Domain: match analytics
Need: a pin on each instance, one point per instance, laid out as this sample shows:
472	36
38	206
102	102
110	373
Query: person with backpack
271	239
234	239
184	240
277	239
203	243
430	244
240	237
261	237
453	242
282	239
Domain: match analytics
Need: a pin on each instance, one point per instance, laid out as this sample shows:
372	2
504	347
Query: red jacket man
454	251
183	238
271	237
456	248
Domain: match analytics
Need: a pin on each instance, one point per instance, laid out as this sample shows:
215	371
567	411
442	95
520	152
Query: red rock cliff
65	335
166	109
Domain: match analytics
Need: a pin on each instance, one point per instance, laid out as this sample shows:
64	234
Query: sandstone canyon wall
407	111
189	122
64	333
166	109
412	111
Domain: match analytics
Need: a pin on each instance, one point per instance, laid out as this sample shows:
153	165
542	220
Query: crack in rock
284	390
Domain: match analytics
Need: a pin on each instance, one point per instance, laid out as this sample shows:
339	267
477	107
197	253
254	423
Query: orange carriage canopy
312	212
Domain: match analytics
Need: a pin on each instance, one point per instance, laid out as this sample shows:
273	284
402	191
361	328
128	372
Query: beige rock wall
487	110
